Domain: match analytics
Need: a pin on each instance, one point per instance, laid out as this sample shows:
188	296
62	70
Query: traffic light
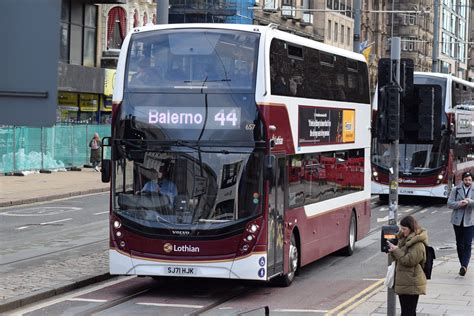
406	73
384	75
407	68
388	121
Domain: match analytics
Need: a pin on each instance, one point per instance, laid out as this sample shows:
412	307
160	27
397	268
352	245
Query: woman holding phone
410	256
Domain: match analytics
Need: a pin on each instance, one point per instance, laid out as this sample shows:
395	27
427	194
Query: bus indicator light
122	244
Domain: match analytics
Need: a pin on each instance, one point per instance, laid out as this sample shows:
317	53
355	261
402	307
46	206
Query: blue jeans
463	243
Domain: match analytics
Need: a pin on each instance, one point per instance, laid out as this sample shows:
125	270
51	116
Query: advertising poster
323	126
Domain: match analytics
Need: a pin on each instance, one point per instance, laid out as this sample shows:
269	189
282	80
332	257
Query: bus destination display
190	117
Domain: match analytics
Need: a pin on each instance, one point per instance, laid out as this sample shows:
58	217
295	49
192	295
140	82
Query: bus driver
161	183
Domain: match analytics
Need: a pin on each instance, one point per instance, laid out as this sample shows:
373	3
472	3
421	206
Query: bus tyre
286	279
349	249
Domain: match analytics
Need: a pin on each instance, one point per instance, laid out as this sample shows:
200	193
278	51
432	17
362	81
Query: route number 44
222	118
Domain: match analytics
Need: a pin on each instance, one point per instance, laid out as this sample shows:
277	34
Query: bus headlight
249	238
117	224
253	228
440	176
375	174
118	234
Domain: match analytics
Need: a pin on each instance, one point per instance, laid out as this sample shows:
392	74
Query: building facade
454	26
470	62
80	78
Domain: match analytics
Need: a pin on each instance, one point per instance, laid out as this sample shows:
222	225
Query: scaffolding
211	11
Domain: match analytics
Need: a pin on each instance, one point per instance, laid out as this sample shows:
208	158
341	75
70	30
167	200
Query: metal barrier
58	147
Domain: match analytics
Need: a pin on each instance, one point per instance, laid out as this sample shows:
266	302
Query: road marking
22	227
106	212
355	297
382	219
300	310
68	296
171	305
78	299
41	211
434	212
424	211
362	300
408	210
58	221
383	209
369	279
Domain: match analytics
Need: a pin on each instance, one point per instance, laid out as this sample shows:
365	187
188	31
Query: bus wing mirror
269	168
106	162
106	170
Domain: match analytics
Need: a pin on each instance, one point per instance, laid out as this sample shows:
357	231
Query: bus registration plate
180	271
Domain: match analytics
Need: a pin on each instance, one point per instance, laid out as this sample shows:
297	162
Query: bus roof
267	30
445	76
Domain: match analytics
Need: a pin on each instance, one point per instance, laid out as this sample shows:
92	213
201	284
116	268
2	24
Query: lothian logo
168	247
185	248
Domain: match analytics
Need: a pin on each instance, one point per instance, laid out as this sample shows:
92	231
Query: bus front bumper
250	267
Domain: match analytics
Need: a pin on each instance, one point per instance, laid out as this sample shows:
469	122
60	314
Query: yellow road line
355	297
362	300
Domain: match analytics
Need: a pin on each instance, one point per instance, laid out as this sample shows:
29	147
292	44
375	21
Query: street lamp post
162	11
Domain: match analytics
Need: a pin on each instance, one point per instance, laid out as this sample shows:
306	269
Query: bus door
276	209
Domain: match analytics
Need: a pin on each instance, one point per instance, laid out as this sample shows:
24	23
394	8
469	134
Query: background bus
436	138
256	128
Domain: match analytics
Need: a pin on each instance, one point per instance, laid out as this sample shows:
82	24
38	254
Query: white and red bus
266	137
436	138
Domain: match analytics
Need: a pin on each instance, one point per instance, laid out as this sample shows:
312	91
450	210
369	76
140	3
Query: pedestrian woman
410	256
95	145
461	201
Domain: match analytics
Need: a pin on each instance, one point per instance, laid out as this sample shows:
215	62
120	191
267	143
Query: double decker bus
436	138
266	138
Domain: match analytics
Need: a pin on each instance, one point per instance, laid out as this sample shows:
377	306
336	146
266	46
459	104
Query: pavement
447	292
51	277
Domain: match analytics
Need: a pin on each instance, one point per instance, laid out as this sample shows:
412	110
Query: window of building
78	33
64	31
410	19
409	44
342	34
462	52
336	31
329	4
349	35
90	35
329	30
336	4
116	27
